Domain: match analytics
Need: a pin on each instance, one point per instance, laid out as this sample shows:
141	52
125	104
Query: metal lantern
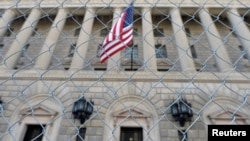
82	109
175	111
89	108
181	111
183	108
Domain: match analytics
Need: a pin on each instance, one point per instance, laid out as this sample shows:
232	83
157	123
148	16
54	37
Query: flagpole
132	47
131	58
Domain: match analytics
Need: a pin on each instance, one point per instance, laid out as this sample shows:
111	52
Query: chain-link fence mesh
188	67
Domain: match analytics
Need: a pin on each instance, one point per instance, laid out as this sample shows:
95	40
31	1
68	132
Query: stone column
182	44
240	29
83	40
15	50
148	40
43	61
114	61
5	21
219	50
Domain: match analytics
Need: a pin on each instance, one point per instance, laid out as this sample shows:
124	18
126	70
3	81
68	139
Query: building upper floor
203	37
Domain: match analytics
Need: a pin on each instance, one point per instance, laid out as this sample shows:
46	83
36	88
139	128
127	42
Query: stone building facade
197	51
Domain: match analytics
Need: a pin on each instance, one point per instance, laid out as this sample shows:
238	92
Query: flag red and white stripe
120	36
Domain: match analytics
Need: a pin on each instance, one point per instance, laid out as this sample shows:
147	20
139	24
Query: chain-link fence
186	67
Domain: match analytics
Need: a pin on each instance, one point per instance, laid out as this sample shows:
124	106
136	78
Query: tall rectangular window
24	50
81	135
104	32
131	51
34	133
135	32
158	32
193	51
1	48
72	50
77	32
243	52
9	32
34	32
182	135
187	30
160	51
99	50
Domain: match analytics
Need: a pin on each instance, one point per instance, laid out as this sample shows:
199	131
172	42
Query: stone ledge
139	76
121	3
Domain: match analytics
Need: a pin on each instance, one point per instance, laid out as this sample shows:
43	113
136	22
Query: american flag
120	36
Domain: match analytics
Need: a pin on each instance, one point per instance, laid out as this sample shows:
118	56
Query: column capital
63	9
91	9
117	8
12	11
234	10
173	10
116	14
204	9
144	9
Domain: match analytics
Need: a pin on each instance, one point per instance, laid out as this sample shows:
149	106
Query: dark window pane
34	133
135	32
77	32
72	50
99	50
104	32
34	32
158	32
131	51
187	30
131	134
9	32
193	52
160	51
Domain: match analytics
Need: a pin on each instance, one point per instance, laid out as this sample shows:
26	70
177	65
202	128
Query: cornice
122	3
138	76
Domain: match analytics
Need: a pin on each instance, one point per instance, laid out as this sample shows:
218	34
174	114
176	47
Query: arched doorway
131	117
224	110
35	120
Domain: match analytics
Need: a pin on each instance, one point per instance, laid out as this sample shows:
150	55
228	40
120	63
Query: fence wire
188	67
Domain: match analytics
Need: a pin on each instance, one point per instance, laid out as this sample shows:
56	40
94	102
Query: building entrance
131	134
